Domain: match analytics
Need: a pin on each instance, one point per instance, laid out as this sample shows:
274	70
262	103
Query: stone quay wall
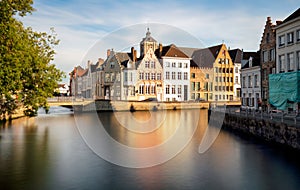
268	130
106	105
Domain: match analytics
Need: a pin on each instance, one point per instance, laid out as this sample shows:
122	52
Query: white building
285	96
288	44
251	81
176	68
236	56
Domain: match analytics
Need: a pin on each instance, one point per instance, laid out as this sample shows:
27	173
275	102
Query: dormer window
112	65
250	61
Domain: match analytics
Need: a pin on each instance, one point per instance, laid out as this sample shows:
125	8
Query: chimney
268	19
134	56
89	64
160	48
108	53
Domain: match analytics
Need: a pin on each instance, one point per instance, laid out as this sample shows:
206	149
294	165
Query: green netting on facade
284	88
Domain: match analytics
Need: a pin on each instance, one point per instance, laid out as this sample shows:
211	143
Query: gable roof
170	51
80	71
188	51
236	55
206	57
255	59
293	16
123	58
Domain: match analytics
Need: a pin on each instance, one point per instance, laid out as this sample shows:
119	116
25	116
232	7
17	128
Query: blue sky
83	24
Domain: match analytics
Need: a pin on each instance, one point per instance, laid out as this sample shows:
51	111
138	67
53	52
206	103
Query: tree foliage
27	75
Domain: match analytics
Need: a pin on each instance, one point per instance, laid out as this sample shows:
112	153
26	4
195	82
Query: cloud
81	24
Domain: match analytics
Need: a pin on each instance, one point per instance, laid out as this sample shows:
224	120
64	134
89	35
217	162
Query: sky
87	28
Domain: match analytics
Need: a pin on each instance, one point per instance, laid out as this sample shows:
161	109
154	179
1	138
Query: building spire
148	32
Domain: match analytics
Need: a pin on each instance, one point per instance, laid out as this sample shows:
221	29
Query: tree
27	75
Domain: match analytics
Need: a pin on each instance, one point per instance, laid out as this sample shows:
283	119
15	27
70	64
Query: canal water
51	152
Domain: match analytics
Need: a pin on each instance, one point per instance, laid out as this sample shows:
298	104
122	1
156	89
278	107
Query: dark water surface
47	152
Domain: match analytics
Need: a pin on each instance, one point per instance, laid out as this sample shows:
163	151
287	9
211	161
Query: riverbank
274	132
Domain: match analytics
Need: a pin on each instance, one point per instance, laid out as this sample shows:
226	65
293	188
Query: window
173	89
185	76
236	70
167	75
227	61
141	89
193	85
146	64
173	64
236	79
206	86
249	81
298	35
147	76
179	65
197	87
217	69
167	64
207	76
290	38
298	60
265	56
193	96
185	65
281	63
130	77
179	75
220	61
216	79
193	75
118	77
244	82
153	89
173	75
158	76
268	38
272	55
167	89
107	77
179	89
112	65
281	40
141	76
147	89
290	61
125	77
256	80
112	77
152	64
152	76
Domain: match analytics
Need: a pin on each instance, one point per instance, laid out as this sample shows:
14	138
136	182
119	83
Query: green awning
283	88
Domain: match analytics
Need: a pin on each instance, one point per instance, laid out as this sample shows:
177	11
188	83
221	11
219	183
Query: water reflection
47	152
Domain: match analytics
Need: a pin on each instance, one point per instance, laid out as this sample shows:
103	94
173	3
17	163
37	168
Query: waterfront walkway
280	117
